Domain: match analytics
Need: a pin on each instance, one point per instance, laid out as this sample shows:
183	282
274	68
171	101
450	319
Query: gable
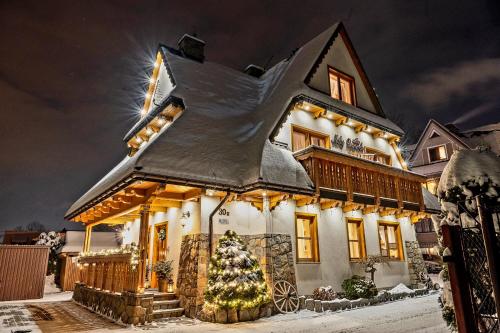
341	57
434	135
160	86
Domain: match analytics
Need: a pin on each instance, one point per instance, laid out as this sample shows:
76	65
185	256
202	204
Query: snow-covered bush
324	293
359	287
54	241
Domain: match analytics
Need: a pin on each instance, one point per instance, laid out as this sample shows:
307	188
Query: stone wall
273	250
128	308
416	263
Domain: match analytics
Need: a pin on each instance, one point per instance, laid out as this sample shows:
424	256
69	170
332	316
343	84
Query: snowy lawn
421	314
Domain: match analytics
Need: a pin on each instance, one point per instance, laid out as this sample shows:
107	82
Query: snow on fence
22	271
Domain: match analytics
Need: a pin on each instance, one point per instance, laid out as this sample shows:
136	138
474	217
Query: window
306	231
302	138
356	239
341	86
431	185
390	240
437	153
377	156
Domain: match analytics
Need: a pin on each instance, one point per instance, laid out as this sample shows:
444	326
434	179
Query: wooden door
159	247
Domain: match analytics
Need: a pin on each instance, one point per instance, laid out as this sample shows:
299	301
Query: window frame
379	152
434	147
361	236
346	77
314	239
308	132
399	240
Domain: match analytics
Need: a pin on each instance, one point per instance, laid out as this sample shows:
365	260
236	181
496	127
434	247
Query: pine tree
235	280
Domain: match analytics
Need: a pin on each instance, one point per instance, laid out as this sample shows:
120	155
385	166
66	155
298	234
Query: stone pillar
415	262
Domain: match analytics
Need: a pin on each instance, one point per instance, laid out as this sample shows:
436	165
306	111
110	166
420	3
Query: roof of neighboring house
99	240
416	146
483	128
223	136
431	202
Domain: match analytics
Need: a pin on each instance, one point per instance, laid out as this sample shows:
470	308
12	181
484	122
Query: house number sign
224	216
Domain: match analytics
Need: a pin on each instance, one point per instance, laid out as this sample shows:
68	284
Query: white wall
334	264
243	217
327	126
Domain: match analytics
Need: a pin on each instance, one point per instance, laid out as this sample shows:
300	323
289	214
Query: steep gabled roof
223	137
426	132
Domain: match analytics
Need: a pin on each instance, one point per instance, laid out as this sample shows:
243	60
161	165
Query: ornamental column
88	235
143	246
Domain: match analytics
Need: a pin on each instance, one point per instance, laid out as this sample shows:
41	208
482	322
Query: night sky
72	74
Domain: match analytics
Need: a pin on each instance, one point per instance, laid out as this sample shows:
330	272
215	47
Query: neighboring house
14	237
430	155
73	245
299	159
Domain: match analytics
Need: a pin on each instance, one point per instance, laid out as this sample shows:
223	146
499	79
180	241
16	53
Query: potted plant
163	270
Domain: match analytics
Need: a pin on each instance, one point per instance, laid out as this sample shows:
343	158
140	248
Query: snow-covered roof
98	241
431	202
484	128
223	136
470	166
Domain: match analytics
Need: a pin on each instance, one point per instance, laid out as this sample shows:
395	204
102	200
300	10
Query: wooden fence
22	271
70	273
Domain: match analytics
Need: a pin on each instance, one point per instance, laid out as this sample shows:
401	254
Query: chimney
254	70
192	47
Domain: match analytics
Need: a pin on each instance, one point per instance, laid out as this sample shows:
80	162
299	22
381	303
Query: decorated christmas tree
235	280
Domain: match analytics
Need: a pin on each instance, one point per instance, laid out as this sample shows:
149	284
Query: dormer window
437	154
341	86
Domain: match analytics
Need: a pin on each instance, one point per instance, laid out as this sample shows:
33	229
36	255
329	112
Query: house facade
430	155
299	159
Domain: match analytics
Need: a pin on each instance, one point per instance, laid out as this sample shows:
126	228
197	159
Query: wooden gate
22	271
70	273
474	266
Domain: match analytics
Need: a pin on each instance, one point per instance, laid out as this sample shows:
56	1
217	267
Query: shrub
324	294
163	269
358	287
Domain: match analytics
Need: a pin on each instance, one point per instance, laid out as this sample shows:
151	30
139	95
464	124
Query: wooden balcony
113	273
352	179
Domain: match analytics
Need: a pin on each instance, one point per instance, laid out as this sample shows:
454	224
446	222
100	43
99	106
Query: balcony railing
353	179
113	273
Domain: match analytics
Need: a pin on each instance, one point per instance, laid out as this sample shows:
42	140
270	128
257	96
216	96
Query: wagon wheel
285	297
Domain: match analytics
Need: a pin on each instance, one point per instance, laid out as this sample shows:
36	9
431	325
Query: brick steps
166	305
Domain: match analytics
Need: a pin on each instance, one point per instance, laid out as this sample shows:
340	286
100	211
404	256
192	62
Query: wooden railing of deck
353	175
112	273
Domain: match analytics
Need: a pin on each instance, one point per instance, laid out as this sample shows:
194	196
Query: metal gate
474	267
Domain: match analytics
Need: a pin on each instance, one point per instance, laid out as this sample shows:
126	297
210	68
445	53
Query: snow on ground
420	314
50	286
400	288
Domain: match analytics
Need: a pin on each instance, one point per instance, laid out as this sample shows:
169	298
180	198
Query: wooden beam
359	128
404	213
258	205
351	207
192	194
275	200
170	196
167	203
340	121
378	134
306	201
327	204
388	211
370	209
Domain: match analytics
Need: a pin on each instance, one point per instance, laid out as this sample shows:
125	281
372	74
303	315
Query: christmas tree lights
235	280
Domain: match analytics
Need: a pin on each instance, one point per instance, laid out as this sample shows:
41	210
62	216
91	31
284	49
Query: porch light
161	120
148	95
170	286
264	194
156	65
307	107
368	129
350	123
210	192
151	80
138	139
385	136
149	131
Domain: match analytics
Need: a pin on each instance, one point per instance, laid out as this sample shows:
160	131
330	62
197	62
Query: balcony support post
143	246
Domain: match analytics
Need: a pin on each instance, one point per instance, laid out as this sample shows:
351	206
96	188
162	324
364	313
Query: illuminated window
432	185
302	138
356	239
341	86
437	153
306	238
377	156
390	240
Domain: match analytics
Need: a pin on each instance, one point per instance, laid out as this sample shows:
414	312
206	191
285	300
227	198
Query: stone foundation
416	263
128	308
275	258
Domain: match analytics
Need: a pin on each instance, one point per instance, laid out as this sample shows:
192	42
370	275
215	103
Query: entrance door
159	247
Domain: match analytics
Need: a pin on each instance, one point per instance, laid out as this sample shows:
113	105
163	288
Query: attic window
434	135
437	153
341	86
